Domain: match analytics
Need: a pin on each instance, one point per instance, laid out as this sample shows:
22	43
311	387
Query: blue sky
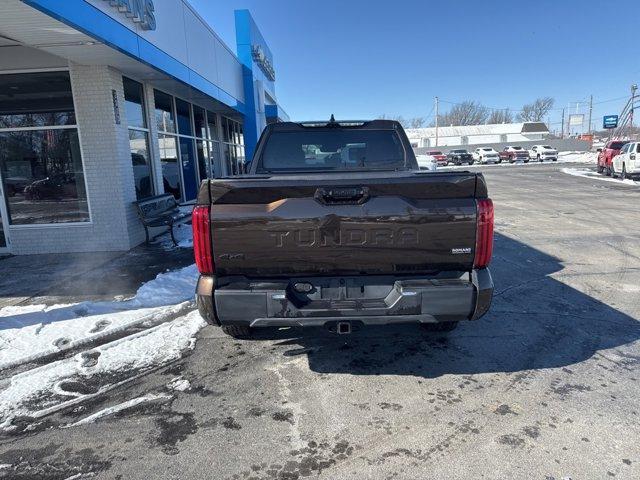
360	59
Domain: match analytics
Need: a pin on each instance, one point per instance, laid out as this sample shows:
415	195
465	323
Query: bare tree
465	113
536	111
417	122
398	118
500	116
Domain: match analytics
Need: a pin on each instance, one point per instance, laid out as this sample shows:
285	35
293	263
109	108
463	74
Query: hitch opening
343	328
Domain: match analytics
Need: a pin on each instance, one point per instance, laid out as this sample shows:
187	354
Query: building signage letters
141	12
263	62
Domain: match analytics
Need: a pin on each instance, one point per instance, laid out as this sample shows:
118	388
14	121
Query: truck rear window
332	149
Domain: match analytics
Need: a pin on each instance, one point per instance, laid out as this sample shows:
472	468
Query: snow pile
179	384
32	332
44	390
578	157
591	174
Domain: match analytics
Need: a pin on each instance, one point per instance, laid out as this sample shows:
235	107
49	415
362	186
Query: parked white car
486	155
427	162
627	162
543	152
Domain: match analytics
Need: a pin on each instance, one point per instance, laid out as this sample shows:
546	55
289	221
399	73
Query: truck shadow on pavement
535	322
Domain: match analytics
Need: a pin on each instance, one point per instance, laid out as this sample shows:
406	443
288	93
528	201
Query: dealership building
106	102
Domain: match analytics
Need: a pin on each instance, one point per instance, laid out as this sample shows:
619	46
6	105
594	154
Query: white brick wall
108	172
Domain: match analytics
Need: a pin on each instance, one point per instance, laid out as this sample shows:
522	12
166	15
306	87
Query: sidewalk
69	278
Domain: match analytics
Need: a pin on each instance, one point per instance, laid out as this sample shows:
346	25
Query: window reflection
141	165
36	100
43	177
165	118
169	160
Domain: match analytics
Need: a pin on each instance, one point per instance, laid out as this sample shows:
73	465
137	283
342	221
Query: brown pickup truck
335	226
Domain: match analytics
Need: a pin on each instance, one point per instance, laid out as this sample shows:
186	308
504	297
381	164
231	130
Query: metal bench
160	211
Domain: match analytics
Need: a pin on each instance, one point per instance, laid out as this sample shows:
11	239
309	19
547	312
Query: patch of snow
134	402
32	332
47	389
593	175
179	384
578	157
183	234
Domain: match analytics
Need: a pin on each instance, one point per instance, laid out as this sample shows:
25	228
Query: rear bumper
376	301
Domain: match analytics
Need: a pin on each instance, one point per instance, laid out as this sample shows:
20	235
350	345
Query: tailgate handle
342	195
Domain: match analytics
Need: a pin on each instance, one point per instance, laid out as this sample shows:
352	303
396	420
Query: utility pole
634	88
590	112
437	115
562	134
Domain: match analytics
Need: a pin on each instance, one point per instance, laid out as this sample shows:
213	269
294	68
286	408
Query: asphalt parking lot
544	387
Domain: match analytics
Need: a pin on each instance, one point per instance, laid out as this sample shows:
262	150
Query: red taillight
202	250
484	235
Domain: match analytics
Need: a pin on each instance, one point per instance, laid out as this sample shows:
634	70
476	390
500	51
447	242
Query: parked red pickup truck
605	155
512	154
440	157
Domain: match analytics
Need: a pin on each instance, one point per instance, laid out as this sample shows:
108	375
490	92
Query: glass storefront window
139	144
43	178
138	138
214	159
36	100
233	147
134	103
203	155
170	170
188	163
213	126
165	119
183	110
200	122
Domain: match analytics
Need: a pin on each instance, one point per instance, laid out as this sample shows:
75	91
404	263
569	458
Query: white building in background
478	134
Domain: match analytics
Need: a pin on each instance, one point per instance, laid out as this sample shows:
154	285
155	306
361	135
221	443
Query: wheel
526	160
471	162
539	159
499	160
439	327
612	171
607	171
237	331
623	174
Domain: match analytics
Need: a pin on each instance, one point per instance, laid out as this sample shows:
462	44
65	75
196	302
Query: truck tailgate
365	223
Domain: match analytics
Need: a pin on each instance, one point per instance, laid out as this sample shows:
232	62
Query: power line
558	109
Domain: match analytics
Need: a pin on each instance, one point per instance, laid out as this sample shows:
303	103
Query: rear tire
440	327
623	174
612	172
237	331
539	159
